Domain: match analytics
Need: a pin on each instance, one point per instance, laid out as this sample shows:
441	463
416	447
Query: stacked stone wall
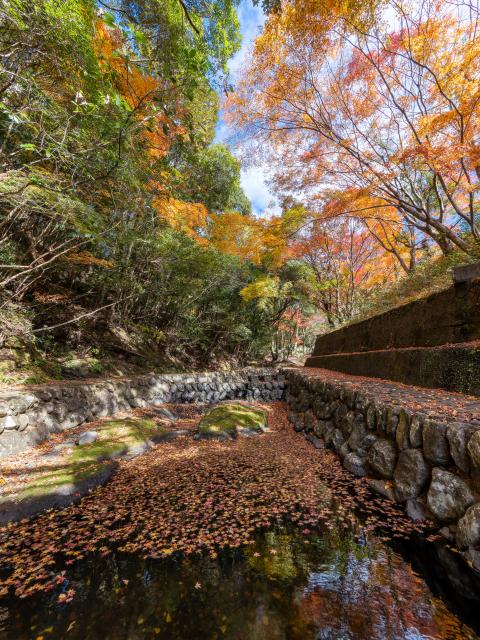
432	342
429	463
29	415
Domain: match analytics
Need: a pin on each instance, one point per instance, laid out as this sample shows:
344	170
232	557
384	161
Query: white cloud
253	181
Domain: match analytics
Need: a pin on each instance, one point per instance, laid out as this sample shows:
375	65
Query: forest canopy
113	196
123	221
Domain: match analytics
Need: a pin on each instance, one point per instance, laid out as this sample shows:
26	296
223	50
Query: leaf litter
196	497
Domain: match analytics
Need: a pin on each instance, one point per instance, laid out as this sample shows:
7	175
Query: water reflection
287	586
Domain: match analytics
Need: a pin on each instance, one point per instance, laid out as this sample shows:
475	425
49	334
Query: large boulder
226	421
448	496
382	458
468	528
435	443
411	474
458	436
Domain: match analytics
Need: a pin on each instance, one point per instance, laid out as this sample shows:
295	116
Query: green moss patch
117	438
226	420
57	481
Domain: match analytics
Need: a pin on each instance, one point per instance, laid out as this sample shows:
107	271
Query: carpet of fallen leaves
189	496
435	403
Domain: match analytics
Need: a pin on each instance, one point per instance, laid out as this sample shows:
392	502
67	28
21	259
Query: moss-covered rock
226	421
58	480
128	436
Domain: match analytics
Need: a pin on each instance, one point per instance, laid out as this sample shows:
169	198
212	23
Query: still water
288	585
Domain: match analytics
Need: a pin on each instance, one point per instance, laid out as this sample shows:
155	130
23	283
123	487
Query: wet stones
382	488
448	496
354	463
411	474
382	458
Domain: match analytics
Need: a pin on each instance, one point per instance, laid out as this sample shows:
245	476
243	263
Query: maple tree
371	111
345	262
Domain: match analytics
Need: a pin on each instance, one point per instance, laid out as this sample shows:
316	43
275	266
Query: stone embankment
29	415
420	447
416	446
432	342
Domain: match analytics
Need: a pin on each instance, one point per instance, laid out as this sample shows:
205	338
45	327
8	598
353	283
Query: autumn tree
371	112
108	180
345	262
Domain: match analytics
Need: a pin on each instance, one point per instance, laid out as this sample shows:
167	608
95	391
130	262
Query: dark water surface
289	585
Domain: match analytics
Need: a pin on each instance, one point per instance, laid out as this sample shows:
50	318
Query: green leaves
109	19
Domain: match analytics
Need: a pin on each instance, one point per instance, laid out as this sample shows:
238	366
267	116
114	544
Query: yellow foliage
262	288
87	258
189	217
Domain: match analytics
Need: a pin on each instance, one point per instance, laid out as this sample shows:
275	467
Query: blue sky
253	178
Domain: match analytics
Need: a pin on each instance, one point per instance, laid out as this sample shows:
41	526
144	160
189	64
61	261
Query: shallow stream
287	585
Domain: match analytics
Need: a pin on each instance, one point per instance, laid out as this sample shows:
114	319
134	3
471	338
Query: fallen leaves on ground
190	496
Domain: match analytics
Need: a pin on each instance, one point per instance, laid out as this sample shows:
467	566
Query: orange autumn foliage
371	116
140	89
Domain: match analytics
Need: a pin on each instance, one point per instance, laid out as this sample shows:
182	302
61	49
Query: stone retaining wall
29	415
451	316
432	342
430	465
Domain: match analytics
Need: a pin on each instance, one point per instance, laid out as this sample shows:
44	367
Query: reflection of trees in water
377	598
285	587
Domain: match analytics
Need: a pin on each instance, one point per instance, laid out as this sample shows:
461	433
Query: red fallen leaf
190	497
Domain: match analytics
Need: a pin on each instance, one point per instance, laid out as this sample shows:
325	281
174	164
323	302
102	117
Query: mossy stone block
227	420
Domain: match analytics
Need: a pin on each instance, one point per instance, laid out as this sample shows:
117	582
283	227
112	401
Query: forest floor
190	496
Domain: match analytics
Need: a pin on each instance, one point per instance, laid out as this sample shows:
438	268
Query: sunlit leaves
190	497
